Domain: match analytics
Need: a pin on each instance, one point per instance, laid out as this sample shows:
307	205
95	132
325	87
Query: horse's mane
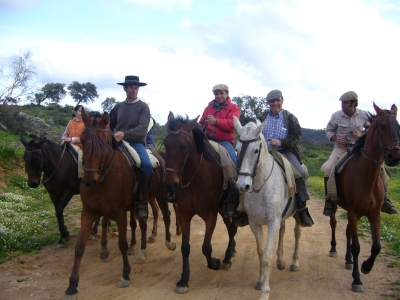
202	143
360	141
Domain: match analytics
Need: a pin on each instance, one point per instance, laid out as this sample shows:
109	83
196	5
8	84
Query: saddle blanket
80	158
135	156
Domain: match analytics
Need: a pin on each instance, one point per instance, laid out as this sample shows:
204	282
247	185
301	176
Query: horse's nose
247	187
171	188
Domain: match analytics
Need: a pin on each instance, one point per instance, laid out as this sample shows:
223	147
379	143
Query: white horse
266	200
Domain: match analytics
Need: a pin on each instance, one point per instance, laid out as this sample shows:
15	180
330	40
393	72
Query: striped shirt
274	128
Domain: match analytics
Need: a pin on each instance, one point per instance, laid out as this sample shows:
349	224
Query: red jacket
224	130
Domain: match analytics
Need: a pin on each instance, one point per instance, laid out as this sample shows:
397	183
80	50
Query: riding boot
388	207
230	202
142	211
330	207
242	220
302	211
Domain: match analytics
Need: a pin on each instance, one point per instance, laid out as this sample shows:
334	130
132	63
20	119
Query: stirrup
388	207
330	208
230	208
243	220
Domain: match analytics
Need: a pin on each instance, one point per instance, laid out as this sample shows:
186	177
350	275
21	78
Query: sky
311	50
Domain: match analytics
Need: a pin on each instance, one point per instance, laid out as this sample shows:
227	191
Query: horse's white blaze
266	206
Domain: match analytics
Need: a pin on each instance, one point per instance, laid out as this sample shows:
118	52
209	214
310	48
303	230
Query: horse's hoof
349	266
365	270
131	251
181	289
91	237
71	297
357	288
294	268
151	240
123	283
281	266
104	255
234	253
258	286
226	266
332	254
141	258
59	246
170	245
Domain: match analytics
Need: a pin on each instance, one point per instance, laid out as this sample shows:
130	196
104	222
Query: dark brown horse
60	178
195	175
109	191
362	191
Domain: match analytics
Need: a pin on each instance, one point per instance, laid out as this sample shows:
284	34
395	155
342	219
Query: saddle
333	192
133	157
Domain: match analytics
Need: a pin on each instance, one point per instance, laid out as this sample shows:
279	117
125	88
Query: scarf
218	106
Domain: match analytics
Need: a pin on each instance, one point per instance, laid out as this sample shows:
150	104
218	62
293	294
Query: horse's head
96	142
386	127
248	149
33	160
178	145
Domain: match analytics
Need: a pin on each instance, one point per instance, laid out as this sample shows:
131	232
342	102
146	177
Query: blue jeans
229	147
146	166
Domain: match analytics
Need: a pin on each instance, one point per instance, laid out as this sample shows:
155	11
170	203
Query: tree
250	107
108	104
15	79
51	91
83	92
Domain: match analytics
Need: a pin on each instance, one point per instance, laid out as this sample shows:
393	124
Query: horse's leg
133	224
348	256
178	226
122	223
87	220
155	209
232	230
167	223
280	261
95	229
375	224
212	262
183	284
259	235
143	243
104	230
357	285
333	222
297	235
59	209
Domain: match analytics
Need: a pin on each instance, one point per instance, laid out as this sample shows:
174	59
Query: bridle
101	164
245	144
186	158
394	129
40	171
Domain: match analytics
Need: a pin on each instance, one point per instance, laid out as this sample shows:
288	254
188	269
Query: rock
39	127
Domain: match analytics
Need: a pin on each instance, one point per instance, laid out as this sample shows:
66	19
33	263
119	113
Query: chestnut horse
195	176
109	190
60	178
362	191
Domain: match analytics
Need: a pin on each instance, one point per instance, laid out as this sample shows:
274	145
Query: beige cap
220	87
348	96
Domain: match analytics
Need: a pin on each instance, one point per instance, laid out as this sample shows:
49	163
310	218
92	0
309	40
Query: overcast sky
312	50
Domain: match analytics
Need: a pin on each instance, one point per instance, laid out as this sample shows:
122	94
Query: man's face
275	105
348	108
220	96
131	91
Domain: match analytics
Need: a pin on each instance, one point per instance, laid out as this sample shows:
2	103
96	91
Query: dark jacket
294	132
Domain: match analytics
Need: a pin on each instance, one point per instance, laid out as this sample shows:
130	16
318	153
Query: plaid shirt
274	128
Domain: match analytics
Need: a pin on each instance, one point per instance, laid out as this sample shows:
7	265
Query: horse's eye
256	151
183	148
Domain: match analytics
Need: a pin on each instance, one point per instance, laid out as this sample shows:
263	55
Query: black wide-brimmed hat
132	80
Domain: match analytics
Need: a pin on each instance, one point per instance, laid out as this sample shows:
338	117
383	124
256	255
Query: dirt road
45	275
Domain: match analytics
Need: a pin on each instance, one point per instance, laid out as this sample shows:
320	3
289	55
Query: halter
394	129
187	153
245	144
101	164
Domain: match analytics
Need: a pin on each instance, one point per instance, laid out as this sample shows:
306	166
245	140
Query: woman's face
78	113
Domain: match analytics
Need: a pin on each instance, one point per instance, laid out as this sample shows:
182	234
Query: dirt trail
45	275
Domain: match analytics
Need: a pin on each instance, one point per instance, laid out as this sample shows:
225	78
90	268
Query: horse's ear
105	118
171	116
24	141
393	109
85	117
260	127
377	109
237	124
192	123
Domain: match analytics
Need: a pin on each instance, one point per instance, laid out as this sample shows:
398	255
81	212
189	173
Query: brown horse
109	190
60	178
361	189
195	175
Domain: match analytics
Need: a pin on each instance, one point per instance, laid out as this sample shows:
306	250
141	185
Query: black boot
330	207
388	207
243	219
304	215
230	202
142	212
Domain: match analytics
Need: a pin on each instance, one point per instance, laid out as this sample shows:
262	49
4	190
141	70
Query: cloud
163	4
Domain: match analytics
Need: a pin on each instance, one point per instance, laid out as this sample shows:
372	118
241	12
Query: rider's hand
119	136
276	142
341	141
